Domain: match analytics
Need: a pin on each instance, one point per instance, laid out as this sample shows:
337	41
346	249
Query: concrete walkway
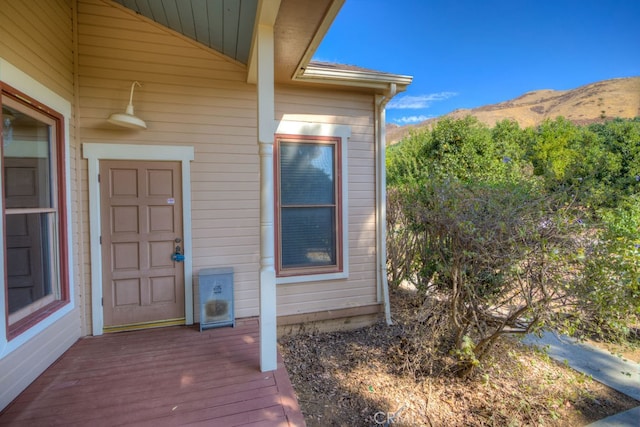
613	371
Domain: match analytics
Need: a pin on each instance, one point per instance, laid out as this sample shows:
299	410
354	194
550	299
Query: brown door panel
141	206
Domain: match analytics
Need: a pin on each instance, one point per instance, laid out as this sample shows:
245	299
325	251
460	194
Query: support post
266	129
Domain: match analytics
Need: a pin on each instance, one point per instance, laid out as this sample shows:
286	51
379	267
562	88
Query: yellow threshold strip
144	325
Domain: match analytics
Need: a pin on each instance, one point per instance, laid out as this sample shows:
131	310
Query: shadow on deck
160	377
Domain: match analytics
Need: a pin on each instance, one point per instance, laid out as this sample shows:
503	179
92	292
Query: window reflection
28	260
30	210
308	205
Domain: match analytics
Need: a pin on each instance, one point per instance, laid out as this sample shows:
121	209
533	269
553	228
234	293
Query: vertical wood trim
266	14
266	135
97	320
187	239
79	245
93	152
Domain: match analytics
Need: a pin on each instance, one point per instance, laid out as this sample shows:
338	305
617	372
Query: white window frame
51	211
19	80
302	129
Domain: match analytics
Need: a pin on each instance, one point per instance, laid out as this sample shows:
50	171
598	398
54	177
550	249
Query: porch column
266	129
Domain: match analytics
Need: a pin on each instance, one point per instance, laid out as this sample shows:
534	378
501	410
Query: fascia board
323	28
354	78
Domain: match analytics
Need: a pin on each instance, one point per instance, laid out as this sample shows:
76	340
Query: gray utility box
216	297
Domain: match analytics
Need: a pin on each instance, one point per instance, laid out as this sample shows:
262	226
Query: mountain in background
595	102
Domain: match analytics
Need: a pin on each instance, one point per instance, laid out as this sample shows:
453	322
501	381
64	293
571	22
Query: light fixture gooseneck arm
129	109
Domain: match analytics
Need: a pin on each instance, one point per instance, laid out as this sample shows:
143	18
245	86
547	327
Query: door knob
178	255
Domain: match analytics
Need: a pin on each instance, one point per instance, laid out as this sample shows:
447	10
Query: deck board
161	377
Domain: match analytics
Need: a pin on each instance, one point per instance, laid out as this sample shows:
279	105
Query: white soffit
223	25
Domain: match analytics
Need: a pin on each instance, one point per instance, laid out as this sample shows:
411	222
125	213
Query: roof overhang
231	28
298	27
350	76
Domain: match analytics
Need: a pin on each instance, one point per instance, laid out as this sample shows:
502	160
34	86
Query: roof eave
323	28
354	78
267	14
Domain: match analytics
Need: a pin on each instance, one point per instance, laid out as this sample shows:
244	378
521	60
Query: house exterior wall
88	52
36	38
356	111
192	96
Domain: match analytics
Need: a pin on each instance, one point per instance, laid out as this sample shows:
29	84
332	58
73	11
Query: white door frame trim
94	152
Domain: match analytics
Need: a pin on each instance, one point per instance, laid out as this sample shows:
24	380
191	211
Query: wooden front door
141	211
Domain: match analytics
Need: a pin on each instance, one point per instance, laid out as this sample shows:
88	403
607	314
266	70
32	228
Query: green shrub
610	289
515	229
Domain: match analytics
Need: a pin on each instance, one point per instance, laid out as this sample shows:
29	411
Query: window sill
25	324
312	278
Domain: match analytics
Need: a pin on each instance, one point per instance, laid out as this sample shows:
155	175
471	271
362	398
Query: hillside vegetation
592	103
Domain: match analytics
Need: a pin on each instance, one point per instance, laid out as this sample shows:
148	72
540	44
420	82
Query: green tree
407	162
553	149
461	149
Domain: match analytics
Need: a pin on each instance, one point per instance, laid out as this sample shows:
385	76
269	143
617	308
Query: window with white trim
308	194
36	277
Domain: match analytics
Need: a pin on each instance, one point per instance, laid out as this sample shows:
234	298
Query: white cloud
417	102
412	119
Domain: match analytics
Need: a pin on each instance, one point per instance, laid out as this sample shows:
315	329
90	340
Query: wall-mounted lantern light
128	119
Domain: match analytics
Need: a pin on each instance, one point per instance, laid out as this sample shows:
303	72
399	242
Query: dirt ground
369	377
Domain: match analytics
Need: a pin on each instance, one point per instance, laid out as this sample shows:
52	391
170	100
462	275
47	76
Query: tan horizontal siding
218	196
136	41
351	105
190	96
102	84
25	364
242	166
155	96
248	187
312	305
203	141
230	231
119	59
37	37
233	223
134	71
208	175
170	59
356	111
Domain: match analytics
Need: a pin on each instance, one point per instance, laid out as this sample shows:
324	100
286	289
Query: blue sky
469	53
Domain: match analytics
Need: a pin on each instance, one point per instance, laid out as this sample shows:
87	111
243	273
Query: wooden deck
160	377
